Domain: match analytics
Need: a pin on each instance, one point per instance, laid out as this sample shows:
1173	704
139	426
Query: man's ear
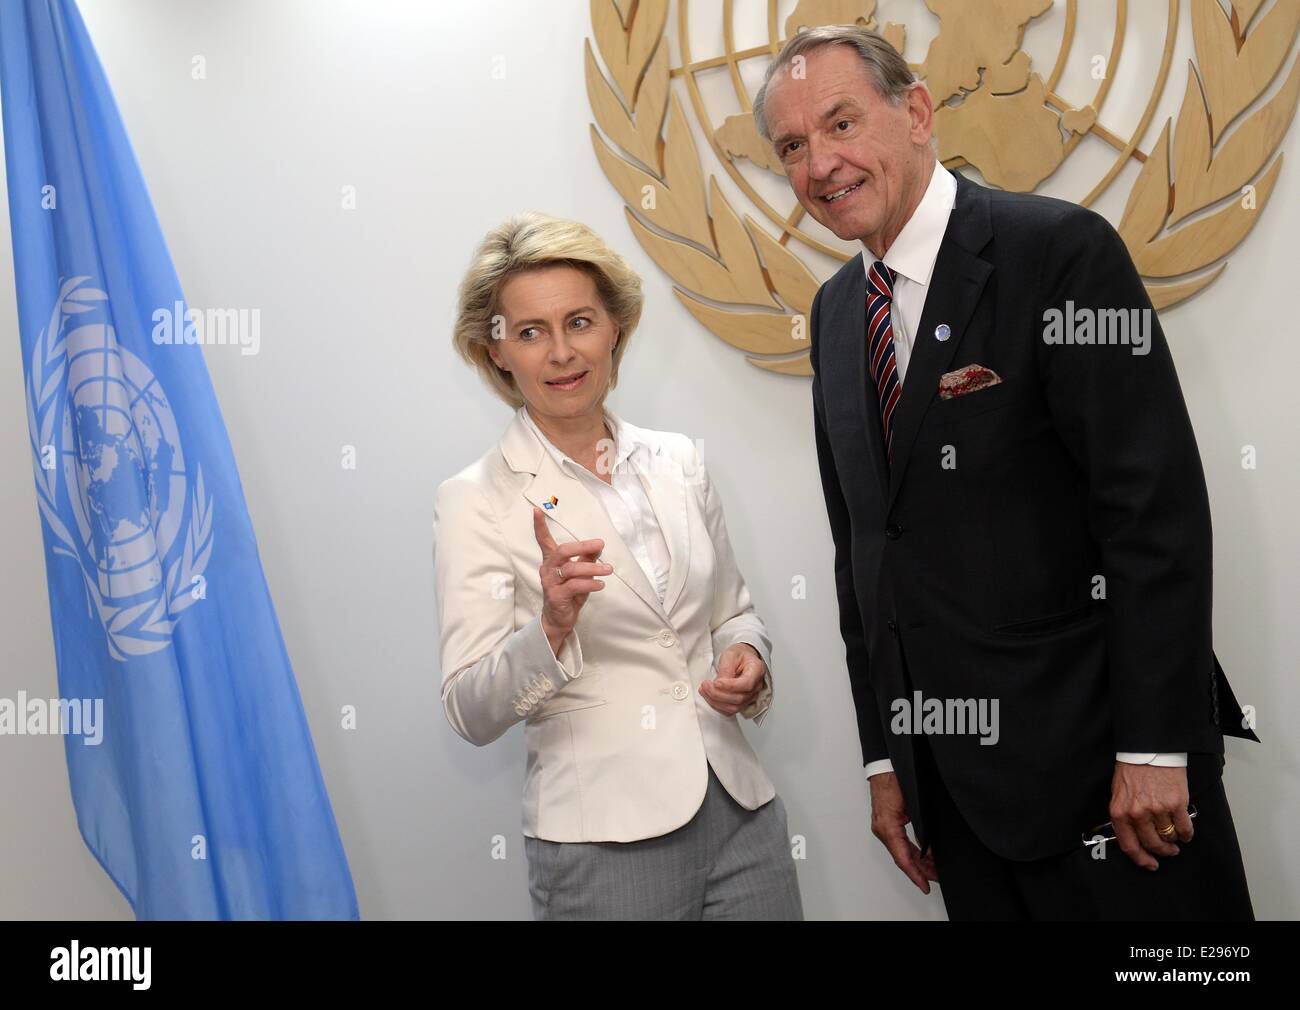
920	108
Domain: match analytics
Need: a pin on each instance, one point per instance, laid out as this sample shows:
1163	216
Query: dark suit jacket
977	580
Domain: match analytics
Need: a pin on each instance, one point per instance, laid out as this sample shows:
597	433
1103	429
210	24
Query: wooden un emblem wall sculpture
1213	162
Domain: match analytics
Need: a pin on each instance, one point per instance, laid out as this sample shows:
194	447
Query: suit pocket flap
1049	623
585	692
980	401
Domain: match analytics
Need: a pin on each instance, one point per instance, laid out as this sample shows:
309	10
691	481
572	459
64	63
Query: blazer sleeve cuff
569	662
724	638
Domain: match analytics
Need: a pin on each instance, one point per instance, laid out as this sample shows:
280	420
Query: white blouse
625	500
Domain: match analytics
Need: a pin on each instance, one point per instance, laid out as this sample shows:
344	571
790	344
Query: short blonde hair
533	241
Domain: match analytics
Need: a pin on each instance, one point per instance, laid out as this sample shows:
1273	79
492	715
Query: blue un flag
202	798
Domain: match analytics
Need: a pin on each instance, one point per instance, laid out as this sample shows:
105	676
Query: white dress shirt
912	257
625	500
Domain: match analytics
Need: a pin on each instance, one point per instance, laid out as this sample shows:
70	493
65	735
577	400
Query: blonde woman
586	588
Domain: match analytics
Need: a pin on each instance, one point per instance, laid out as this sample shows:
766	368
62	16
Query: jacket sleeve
871	731
1122	418
733	618
493	675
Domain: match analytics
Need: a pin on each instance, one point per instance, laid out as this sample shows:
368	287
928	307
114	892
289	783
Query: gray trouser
725	863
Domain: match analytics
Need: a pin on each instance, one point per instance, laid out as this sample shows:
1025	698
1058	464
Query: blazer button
893	531
680	690
520	710
667	639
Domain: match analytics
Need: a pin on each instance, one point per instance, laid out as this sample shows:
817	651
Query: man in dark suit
1021	524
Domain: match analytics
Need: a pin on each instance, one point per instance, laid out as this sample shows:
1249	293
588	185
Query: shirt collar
916	248
626	442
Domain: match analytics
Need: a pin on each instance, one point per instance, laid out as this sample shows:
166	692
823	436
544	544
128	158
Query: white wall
397	99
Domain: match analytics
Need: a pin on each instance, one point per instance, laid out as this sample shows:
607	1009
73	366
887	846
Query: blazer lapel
956	284
580	515
853	329
665	483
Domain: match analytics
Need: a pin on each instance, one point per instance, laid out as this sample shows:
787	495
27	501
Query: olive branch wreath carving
759	293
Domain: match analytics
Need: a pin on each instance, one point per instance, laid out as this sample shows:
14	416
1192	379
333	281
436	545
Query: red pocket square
966	380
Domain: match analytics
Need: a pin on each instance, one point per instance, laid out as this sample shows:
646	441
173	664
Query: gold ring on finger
1168	831
559	574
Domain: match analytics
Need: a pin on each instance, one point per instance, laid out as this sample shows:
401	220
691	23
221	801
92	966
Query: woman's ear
495	355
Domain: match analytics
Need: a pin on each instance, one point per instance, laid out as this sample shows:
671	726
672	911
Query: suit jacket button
680	690
893	531
667	639
520	710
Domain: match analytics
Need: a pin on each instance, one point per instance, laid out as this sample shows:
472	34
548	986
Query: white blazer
618	736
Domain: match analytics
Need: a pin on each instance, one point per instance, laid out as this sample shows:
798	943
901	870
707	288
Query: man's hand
739	679
889	822
1144	799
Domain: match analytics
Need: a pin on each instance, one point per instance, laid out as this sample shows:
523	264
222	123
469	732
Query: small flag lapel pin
551	502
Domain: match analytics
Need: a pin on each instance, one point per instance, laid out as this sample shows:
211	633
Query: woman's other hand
739	679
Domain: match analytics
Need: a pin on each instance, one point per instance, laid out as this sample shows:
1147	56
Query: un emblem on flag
126	509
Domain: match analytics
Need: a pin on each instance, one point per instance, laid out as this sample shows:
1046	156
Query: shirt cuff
1152	758
757	710
878	767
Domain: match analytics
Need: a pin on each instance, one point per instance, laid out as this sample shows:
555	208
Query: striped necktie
880	345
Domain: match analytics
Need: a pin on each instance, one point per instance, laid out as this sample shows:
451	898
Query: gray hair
885	66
